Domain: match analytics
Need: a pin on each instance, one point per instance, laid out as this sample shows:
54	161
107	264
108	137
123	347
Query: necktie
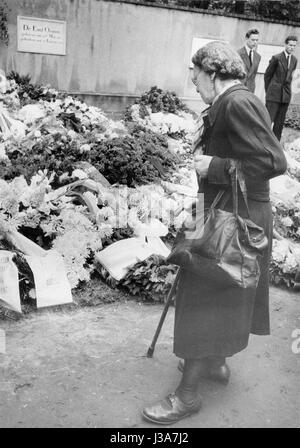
250	56
288	61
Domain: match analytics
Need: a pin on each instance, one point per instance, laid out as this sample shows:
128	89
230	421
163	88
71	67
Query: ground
86	367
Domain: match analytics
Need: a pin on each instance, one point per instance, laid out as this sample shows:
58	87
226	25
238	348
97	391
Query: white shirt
248	50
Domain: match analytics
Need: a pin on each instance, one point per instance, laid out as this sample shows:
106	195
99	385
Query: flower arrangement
163	112
287	221
27	91
284	263
162	101
77	181
149	280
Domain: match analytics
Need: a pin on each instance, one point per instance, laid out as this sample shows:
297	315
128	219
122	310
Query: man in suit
250	57
278	79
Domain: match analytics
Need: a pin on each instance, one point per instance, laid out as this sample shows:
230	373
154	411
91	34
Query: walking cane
163	316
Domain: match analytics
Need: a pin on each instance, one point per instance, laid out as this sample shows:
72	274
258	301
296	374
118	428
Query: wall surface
119	50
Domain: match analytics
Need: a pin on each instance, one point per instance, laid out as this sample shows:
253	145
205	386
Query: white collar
286	54
248	49
233	83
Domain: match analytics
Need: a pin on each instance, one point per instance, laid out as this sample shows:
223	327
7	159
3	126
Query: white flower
99	137
287	221
29	218
6	224
45	208
51	225
68	101
3	82
84	148
76	246
77	103
79	174
280	250
18	130
31	112
72	134
32	293
295	146
63	177
135	112
84	120
290	263
133	219
106	212
55	106
106	215
3	155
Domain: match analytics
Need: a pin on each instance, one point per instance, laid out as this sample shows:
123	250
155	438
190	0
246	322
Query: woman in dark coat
211	322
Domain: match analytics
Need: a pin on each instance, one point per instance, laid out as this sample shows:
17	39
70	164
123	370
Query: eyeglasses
194	80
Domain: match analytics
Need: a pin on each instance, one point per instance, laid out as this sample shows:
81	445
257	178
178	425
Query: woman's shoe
170	410
220	374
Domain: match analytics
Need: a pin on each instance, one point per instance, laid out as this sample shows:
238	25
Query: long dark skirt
214	321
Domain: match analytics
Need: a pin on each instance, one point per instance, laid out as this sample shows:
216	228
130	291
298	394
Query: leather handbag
226	248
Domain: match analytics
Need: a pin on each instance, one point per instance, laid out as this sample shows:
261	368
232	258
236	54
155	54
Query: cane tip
150	353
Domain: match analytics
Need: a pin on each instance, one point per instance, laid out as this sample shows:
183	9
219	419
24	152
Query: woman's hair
220	58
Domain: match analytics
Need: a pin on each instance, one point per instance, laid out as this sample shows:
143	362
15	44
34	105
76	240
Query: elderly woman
213	323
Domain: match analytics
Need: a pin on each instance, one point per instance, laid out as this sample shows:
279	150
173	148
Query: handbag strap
237	180
216	200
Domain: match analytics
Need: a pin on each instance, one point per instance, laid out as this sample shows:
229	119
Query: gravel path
87	368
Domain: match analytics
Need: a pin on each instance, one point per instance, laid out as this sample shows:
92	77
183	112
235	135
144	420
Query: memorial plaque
37	35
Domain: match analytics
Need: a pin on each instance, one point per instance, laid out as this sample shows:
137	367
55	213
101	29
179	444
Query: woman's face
204	84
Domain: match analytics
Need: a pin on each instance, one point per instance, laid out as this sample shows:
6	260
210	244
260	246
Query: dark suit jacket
250	70
278	78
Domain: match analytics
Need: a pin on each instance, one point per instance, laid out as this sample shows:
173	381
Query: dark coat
251	70
214	321
278	78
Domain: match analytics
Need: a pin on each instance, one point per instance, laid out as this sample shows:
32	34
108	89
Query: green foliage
159	101
135	159
227	6
29	92
162	101
290	231
201	4
4	37
284	10
51	153
117	235
150	279
278	10
279	278
292	119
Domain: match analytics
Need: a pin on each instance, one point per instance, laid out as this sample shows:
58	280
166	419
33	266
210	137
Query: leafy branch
4	37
